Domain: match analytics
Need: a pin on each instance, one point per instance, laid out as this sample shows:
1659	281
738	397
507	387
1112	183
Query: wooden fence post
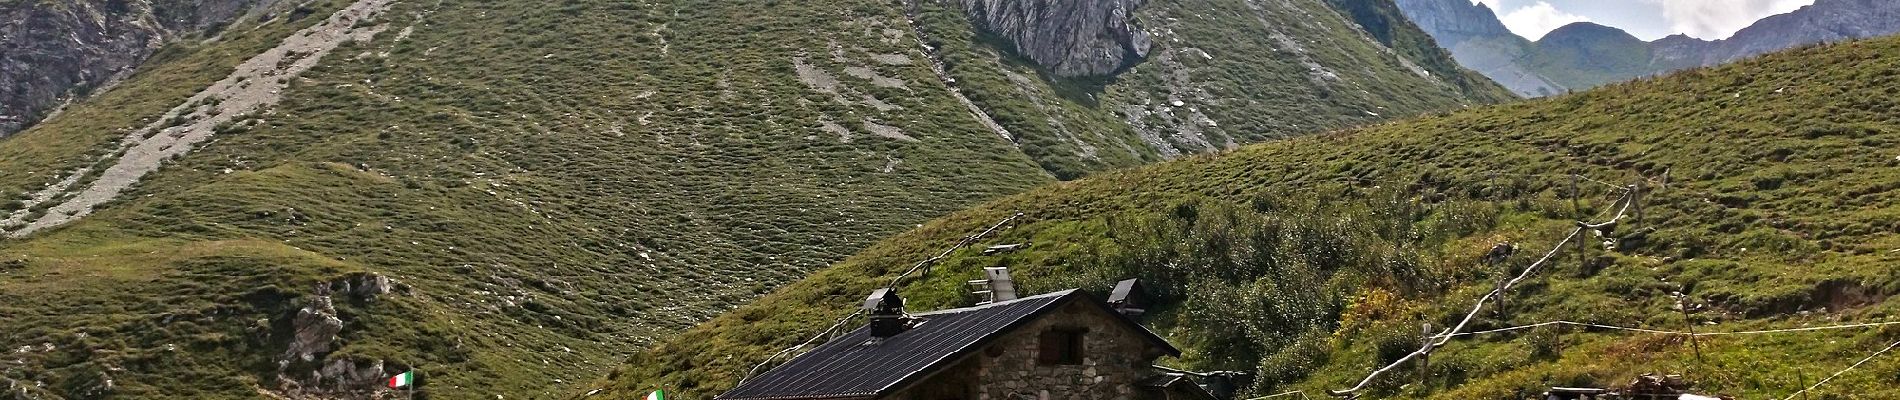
1682	302
1576	209
1636	198
1425	358
1499	287
1576	205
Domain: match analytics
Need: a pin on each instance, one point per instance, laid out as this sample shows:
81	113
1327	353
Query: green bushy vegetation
554	185
1770	205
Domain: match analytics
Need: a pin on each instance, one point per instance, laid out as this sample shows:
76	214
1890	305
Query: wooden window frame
1062	346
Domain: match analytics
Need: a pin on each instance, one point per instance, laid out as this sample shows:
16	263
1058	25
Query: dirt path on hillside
255	85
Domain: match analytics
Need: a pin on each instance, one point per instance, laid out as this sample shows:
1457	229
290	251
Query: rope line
967	240
1593	180
1844	371
1578	176
1446	335
768	360
1301	393
1679	333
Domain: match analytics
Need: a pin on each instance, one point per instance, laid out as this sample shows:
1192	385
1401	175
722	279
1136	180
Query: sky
1647	19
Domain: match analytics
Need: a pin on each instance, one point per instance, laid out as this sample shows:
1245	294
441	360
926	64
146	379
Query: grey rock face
53	51
316	326
1069	38
345	375
363	286
305	370
1453	22
1825	21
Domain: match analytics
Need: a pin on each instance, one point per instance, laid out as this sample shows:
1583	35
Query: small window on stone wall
1061	346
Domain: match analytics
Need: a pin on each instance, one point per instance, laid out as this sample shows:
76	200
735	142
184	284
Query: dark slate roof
1162	381
853	366
1175	381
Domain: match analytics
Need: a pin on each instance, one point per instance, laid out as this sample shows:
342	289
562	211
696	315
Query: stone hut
1064	345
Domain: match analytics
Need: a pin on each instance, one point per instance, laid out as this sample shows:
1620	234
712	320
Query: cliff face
1454	22
1481	42
1070	38
1585	55
53	51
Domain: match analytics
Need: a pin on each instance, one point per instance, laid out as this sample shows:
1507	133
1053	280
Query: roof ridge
998	304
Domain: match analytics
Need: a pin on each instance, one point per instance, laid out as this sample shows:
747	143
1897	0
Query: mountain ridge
1580	56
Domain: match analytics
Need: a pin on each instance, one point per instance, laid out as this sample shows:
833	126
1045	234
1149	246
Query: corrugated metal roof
855	366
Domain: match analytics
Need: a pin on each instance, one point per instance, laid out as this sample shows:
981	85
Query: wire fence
1838	374
1669	332
1433	342
967	240
1629	195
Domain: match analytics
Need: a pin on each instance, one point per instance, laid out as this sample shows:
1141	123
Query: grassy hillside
1773	187
1256	71
553	185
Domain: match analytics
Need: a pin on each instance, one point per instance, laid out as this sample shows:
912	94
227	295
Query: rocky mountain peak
1069	38
1454	21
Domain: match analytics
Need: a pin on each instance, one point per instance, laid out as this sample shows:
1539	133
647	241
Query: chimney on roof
996	285
1129	298
1002	288
886	310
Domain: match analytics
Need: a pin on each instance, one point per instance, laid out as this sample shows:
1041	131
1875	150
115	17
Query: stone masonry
1114	359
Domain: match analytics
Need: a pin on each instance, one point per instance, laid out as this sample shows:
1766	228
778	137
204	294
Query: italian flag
404	379
656	395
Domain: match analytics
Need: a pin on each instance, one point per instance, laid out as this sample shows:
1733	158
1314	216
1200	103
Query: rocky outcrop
1068	38
366	286
1453	22
314	327
1584	55
304	371
54	51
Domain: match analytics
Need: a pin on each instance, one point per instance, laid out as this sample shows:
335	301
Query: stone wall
1114	359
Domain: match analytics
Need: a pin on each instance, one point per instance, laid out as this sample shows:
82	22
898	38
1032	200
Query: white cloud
1533	21
1494	4
1718	19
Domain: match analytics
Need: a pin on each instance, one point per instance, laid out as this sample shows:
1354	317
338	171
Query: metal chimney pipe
1002	288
